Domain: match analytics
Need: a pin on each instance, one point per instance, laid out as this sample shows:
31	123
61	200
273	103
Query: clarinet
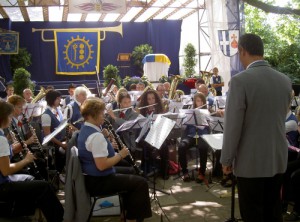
121	145
33	168
68	133
39	145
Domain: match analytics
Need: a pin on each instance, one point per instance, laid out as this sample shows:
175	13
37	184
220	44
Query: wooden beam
65	11
83	17
143	10
161	10
23	10
3	12
177	9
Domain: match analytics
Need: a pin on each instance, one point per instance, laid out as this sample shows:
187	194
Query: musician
140	86
98	158
160	89
209	99
114	104
69	97
120	117
20	189
51	119
150	97
189	140
9	91
27	95
217	82
291	129
72	110
167	87
18	102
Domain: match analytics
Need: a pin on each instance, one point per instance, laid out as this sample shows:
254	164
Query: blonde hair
92	107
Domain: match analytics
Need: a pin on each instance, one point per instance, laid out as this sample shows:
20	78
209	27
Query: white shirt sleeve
46	120
4	147
290	125
66	111
97	144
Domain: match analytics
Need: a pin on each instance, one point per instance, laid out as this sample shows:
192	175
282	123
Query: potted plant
21	81
138	54
20	60
189	60
109	72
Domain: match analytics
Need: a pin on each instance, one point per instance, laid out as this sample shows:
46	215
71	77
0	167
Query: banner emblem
228	41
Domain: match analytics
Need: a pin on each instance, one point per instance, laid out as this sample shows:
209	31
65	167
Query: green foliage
281	37
189	60
22	81
138	54
20	60
128	80
109	72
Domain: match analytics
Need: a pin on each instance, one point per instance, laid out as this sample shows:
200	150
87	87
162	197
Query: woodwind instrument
68	128
107	89
121	145
32	167
32	130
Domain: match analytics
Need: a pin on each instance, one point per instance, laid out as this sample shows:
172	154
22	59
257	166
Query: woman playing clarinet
21	190
98	159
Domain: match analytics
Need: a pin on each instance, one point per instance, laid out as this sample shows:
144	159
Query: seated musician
209	99
69	98
27	95
292	134
72	110
24	193
51	119
167	87
98	158
189	139
114	105
9	91
140	86
160	89
119	117
150	97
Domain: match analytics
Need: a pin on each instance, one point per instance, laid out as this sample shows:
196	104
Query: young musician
98	158
20	189
69	98
51	119
120	117
150	97
189	139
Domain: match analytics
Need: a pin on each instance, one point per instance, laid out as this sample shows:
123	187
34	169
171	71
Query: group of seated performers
108	155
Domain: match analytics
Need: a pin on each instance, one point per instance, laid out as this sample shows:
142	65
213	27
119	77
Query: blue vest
191	131
68	100
76	114
5	179
217	80
86	157
55	123
293	135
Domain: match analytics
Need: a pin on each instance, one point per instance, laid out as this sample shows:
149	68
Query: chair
78	206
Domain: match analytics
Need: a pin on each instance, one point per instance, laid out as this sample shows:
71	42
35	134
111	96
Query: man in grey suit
254	143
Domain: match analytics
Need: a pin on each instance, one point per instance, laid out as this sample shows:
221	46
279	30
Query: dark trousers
185	144
28	195
136	194
259	198
218	93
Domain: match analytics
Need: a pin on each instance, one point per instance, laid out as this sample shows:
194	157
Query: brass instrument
118	29
173	87
40	95
107	89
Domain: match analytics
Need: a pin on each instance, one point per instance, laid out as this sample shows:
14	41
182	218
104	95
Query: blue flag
77	52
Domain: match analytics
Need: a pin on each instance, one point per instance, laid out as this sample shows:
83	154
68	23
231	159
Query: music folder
132	124
196	117
60	127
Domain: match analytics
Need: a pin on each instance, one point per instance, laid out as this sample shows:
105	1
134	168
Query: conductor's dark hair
252	43
51	96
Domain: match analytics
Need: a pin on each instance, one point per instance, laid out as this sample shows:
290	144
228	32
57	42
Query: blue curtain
163	36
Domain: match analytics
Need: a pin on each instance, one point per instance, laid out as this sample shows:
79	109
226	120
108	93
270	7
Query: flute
121	145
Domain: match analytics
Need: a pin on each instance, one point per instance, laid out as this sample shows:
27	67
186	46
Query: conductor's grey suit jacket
254	141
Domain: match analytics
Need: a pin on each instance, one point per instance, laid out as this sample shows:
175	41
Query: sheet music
159	131
145	128
216	123
220	101
200	114
215	141
174	107
132	124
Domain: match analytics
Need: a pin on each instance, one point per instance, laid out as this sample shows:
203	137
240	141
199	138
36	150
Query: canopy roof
135	10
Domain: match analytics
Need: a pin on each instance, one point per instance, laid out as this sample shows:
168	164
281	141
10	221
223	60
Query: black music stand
46	140
157	135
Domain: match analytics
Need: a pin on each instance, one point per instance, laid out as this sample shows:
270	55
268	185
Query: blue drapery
163	36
